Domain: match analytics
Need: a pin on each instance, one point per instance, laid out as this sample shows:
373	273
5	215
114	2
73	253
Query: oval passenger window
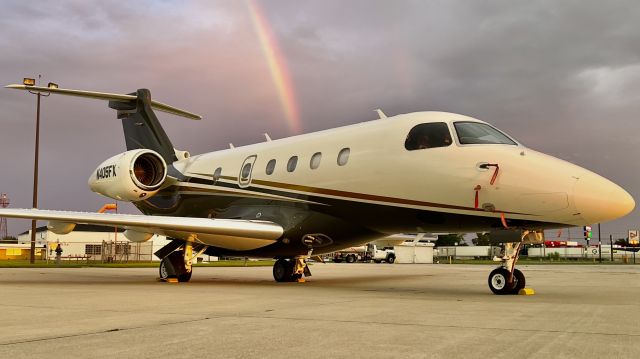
291	165
343	156
216	174
271	166
315	160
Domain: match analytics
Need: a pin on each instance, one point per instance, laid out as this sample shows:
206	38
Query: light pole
599	245
32	82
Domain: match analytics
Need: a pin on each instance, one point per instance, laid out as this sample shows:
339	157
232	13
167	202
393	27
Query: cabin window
315	160
271	166
291	165
216	174
246	171
480	133
343	156
428	135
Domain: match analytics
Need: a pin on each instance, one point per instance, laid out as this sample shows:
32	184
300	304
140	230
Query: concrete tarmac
342	311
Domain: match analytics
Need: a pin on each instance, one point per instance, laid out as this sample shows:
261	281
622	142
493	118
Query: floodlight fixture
29	82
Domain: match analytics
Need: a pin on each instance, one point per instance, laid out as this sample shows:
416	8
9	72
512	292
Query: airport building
89	242
86	243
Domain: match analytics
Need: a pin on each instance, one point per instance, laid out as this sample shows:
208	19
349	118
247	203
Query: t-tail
146	167
142	130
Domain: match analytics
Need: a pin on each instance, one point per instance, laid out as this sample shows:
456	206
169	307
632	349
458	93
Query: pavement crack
105	331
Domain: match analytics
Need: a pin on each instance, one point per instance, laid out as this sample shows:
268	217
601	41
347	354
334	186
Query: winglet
106	96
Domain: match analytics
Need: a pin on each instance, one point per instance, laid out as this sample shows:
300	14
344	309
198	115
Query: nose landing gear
506	279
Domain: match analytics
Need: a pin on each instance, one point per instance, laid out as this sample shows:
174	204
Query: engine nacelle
130	176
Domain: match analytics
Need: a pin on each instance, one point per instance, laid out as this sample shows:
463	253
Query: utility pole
611	242
4	203
599	245
32	82
32	251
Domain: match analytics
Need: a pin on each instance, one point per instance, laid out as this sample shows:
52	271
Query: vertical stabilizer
141	126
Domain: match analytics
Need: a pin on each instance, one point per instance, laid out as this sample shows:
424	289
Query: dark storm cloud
561	76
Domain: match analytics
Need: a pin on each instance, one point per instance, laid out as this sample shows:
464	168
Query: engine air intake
148	170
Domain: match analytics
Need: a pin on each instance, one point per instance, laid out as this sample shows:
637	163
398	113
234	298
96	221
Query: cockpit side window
428	135
480	133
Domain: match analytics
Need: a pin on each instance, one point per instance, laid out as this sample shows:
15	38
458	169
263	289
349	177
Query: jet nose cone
599	200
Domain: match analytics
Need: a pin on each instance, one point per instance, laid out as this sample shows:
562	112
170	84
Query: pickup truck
386	254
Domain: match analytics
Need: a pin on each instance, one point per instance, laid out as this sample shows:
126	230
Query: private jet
299	197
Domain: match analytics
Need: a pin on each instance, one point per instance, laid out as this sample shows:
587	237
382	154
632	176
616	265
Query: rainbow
277	66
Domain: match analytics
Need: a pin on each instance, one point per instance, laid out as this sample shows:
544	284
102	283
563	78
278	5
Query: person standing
58	253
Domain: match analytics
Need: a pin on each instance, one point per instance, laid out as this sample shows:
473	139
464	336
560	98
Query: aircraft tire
282	270
520	281
498	281
175	261
166	269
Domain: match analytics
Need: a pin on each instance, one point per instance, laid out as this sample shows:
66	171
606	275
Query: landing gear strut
506	279
290	270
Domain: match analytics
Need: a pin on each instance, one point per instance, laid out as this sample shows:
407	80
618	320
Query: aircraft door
244	177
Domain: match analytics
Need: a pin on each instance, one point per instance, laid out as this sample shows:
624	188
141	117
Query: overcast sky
562	77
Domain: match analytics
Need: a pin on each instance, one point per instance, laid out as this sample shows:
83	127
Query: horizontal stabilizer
235	234
108	97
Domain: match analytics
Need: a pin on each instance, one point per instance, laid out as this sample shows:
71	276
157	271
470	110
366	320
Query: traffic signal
587	232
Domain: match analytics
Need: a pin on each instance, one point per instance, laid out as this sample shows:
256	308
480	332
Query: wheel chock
526	291
300	280
168	280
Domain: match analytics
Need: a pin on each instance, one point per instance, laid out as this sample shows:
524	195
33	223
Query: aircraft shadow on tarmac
375	284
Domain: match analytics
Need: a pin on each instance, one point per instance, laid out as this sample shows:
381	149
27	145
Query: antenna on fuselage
266	135
231	145
381	114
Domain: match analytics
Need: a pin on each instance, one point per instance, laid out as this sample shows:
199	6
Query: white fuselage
529	185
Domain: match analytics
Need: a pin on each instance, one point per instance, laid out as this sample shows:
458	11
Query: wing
234	234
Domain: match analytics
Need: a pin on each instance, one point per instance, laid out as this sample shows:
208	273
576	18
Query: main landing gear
178	264
506	279
290	269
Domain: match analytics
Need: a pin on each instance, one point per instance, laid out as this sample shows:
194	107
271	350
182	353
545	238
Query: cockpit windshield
480	133
428	135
